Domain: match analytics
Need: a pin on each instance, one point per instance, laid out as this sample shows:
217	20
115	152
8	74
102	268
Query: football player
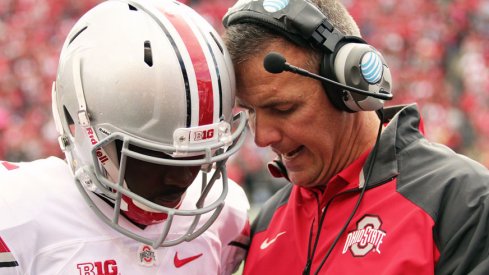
143	105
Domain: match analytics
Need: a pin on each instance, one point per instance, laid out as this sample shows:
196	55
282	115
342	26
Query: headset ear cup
361	66
353	64
334	93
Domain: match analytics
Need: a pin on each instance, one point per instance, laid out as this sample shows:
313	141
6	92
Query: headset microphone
276	63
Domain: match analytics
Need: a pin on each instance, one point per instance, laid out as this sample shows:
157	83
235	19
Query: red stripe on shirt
9	166
3	246
202	73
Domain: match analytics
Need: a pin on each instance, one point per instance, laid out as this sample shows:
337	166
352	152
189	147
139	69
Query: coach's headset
364	78
354	74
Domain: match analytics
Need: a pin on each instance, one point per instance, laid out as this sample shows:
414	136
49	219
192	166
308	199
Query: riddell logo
108	267
100	155
368	237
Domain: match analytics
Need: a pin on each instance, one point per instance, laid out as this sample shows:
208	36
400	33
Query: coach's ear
277	169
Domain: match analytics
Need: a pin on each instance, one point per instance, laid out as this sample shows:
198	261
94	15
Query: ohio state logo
367	237
146	255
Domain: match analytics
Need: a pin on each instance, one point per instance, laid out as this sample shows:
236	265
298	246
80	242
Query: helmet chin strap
140	213
63	140
105	159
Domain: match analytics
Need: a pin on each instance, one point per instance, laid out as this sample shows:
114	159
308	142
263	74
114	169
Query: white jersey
47	228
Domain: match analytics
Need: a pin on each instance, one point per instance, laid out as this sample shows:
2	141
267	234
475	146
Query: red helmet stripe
202	73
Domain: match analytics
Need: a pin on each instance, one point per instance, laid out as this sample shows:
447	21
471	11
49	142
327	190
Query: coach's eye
284	109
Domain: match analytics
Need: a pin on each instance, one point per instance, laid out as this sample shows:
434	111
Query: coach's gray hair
245	40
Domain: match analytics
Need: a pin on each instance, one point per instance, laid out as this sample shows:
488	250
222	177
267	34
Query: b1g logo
108	267
204	135
367	237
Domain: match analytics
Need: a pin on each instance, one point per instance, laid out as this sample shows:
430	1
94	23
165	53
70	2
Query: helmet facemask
142	210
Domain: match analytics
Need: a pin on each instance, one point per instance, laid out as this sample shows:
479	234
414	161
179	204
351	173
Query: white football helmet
138	76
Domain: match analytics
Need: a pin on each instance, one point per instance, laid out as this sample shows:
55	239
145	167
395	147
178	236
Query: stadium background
438	52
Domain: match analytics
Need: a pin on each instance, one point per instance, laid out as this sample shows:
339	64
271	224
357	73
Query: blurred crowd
439	55
437	50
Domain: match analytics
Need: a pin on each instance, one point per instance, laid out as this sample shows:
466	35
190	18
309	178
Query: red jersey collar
352	176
